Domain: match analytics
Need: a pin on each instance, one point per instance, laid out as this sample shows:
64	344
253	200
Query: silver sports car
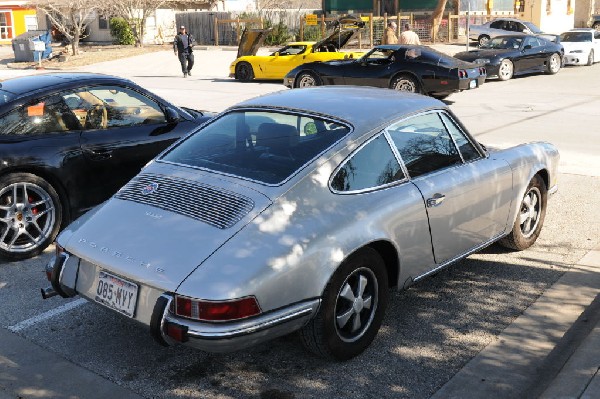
297	211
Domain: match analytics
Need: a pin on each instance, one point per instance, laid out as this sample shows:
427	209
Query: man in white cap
182	47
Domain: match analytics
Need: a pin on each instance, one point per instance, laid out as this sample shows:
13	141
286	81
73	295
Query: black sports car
417	69
67	143
506	56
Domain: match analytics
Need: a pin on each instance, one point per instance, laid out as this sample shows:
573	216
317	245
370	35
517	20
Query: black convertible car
506	56
70	141
417	69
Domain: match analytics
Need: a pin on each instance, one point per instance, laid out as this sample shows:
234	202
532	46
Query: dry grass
88	55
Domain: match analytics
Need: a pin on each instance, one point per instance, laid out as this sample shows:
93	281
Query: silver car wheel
529	216
306	80
356	305
27	217
405	84
554	63
506	70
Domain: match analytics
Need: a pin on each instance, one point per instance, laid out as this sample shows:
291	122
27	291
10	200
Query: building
15	18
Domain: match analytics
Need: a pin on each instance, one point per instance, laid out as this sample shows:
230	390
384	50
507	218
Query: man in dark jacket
182	46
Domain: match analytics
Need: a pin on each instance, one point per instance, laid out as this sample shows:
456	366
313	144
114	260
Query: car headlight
576	51
482	61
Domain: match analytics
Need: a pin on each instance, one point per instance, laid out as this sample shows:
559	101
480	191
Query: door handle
436	200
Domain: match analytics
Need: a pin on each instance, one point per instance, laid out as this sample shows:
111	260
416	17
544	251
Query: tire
530	219
30	215
506	70
440	96
405	83
244	72
590	60
307	79
483	39
347	323
596	25
553	64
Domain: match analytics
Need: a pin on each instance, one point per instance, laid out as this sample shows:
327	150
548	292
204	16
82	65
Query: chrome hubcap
406	85
356	305
529	216
27	217
306	81
554	63
506	69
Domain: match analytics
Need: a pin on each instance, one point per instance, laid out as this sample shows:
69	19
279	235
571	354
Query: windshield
576	37
6	96
503	42
532	27
265	146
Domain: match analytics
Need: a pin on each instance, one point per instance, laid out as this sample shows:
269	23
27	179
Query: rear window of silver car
264	146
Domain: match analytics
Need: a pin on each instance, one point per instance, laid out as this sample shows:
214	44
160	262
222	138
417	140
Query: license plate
472	84
116	293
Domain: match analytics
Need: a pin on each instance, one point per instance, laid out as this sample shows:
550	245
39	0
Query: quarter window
106	107
424	144
372	166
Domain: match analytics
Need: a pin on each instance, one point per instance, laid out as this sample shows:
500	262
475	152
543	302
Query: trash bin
24	47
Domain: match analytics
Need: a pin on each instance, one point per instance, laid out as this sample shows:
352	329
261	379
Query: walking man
408	36
182	47
389	36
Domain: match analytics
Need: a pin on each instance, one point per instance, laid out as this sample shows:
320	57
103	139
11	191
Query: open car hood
346	28
251	41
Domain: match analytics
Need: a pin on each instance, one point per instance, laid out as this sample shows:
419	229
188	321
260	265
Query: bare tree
70	17
436	18
135	12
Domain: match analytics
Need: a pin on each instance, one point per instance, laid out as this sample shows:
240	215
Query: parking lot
430	331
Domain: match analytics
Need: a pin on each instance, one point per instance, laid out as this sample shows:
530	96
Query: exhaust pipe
48	292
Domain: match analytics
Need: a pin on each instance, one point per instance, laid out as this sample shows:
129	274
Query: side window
424	144
496	24
466	148
372	166
106	107
48	115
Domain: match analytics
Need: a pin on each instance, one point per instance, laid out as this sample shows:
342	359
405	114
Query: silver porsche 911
297	211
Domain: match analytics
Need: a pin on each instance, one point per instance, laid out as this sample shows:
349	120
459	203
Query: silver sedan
502	27
298	211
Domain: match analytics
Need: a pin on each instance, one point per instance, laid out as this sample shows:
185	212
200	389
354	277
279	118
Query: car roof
582	30
373	106
26	84
508	19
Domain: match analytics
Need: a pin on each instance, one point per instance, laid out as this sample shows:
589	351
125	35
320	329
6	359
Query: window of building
102	23
6	25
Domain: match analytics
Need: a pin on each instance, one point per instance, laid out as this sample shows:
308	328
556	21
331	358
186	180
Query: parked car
68	141
504	27
297	211
416	69
582	46
248	65
506	56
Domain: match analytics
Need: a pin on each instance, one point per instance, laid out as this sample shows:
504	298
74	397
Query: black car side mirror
527	47
172	115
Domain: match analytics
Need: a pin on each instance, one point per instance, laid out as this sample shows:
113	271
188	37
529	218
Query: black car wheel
596	25
307	79
405	83
530	218
483	39
506	70
30	215
590	58
553	64
244	72
352	309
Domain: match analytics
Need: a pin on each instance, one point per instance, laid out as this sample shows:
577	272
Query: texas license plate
116	293
472	84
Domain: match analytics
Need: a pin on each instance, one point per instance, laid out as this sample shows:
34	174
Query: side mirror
527	47
172	115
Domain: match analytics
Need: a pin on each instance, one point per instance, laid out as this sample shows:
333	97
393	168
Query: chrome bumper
230	336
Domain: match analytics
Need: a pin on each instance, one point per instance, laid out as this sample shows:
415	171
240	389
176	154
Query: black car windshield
576	37
265	146
503	42
6	96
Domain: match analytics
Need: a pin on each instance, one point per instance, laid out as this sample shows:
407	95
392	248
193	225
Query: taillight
462	73
216	310
482	71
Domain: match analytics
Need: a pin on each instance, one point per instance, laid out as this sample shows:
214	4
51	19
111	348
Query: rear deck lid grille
209	204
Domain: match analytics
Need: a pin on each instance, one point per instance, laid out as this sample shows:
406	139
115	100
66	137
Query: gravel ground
430	331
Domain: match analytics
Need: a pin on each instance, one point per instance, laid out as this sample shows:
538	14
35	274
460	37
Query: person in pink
408	36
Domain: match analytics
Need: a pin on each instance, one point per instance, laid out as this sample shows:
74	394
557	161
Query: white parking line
46	315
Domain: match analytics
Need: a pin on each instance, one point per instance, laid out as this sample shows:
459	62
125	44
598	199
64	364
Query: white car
582	46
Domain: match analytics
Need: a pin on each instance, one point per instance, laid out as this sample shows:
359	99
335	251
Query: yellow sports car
248	65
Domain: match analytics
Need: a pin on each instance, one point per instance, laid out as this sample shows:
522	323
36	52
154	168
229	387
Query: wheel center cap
358	305
19	216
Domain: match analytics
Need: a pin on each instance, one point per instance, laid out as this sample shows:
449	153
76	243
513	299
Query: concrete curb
30	371
510	366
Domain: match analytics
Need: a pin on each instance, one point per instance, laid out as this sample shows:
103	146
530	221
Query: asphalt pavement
551	350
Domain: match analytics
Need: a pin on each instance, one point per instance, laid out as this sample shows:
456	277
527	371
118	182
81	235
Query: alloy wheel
306	80
529	215
506	70
405	85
